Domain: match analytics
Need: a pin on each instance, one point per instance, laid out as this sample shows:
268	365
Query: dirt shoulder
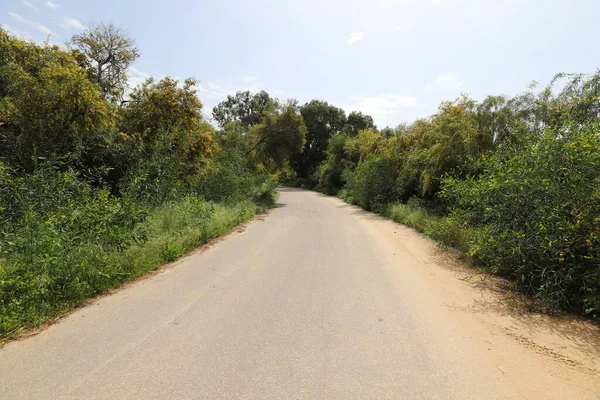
553	356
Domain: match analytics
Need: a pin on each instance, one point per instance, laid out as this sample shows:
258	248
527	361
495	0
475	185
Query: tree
322	122
537	206
245	107
168	121
400	129
107	53
331	170
279	137
47	104
440	144
357	121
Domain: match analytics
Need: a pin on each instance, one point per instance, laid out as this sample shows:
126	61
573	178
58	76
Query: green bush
537	209
265	194
451	231
63	241
58	242
372	184
410	215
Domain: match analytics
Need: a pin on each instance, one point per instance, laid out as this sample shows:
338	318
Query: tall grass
62	275
448	231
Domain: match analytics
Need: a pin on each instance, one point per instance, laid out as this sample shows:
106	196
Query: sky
393	59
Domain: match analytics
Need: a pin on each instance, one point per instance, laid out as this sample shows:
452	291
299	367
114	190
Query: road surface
317	300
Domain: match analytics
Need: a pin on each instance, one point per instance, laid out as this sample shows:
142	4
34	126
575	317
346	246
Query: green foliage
412	214
57	252
357	121
330	172
371	185
246	108
57	242
538	206
322	122
513	183
95	192
278	138
106	52
440	144
47	104
447	230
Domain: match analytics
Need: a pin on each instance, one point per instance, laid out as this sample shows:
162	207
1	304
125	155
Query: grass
178	227
446	230
32	294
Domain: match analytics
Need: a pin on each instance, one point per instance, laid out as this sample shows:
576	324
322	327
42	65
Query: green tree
357	121
440	144
279	137
247	108
106	51
331	170
322	122
174	140
400	129
47	104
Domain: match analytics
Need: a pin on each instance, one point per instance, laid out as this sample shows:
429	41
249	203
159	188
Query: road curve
318	300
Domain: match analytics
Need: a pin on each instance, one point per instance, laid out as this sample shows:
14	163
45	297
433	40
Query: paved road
305	304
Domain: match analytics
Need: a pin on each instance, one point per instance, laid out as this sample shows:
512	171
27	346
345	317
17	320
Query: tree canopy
106	52
322	122
357	121
247	108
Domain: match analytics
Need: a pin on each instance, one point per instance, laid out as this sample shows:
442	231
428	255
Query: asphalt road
307	303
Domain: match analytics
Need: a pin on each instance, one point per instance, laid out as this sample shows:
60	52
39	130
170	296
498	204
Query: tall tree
107	53
322	122
47	104
357	121
278	138
161	106
245	107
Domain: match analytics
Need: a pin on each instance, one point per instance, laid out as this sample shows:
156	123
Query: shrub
372	184
451	231
46	269
537	207
58	242
409	215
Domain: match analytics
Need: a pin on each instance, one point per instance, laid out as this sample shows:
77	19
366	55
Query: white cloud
71	23
216	89
382	107
42	28
137	77
251	80
444	82
17	33
28	4
355	37
52	5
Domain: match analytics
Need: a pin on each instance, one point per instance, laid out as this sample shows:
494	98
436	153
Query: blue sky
393	59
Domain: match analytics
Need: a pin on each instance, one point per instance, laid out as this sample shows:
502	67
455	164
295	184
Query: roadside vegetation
101	183
513	183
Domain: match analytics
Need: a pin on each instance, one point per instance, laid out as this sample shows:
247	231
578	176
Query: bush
58	242
63	241
410	215
451	232
537	209
448	231
372	184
